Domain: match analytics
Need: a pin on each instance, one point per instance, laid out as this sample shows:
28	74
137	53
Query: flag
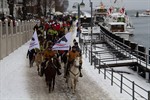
122	10
34	42
63	43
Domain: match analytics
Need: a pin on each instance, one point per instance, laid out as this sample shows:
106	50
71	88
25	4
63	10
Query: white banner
63	43
34	42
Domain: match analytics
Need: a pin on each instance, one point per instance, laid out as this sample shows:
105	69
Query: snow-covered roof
117	23
86	14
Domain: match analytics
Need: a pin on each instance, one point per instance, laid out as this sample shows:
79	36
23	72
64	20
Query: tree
11	7
19	12
39	10
45	7
24	9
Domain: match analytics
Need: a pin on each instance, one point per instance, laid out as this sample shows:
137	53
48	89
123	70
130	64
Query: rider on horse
71	56
48	54
80	54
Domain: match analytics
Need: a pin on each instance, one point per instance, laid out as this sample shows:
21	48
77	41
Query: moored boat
119	29
146	13
100	13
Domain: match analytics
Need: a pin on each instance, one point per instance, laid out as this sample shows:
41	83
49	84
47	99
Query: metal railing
125	84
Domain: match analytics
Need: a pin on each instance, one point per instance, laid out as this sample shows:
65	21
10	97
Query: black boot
80	72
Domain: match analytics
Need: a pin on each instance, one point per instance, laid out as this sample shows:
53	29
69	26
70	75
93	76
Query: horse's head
77	61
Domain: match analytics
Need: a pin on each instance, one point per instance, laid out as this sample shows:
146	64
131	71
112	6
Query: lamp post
75	6
91	5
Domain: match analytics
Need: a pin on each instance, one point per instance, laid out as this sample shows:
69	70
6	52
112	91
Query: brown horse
38	61
50	71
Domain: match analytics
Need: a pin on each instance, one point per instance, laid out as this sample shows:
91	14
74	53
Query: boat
146	13
119	29
100	13
85	19
118	23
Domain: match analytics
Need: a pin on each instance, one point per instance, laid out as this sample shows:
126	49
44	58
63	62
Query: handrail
123	77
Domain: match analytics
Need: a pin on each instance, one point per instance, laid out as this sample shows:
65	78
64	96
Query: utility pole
91	5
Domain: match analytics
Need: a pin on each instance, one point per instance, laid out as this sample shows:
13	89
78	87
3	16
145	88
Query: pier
109	50
106	51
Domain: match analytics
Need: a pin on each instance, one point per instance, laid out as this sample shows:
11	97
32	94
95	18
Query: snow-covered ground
19	82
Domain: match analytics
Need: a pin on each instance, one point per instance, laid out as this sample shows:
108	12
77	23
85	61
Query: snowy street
19	82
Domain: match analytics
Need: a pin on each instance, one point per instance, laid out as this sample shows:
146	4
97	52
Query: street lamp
91	5
75	5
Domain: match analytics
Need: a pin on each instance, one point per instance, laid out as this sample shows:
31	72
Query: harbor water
142	29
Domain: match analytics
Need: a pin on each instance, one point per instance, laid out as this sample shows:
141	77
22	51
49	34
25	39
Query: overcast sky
128	4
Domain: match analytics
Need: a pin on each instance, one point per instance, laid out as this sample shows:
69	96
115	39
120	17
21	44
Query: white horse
74	74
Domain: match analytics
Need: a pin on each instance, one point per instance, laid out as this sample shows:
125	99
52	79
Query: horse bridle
74	73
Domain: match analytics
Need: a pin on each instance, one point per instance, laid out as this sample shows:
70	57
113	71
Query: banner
34	42
63	43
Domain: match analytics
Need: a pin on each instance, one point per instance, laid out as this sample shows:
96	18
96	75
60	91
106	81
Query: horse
74	74
50	74
50	71
38	61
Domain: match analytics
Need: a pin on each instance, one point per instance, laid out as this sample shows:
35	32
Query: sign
63	43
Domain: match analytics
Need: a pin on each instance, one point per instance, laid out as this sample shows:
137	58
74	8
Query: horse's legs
75	83
73	86
53	83
30	61
50	82
65	69
37	67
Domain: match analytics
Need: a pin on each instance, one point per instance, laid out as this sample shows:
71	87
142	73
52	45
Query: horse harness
74	73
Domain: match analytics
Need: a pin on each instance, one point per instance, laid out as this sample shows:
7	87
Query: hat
76	43
73	47
74	40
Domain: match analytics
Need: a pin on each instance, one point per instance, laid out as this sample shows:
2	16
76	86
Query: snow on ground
19	82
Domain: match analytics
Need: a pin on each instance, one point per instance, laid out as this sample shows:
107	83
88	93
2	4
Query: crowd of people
49	32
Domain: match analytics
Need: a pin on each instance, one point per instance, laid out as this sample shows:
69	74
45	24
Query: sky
128	4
